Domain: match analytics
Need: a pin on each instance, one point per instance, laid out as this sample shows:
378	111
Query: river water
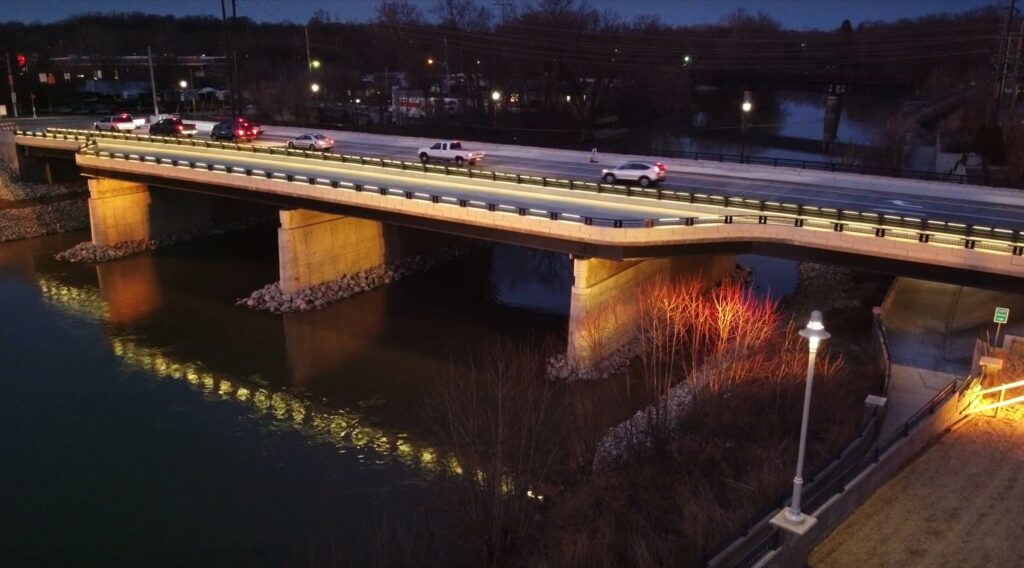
147	420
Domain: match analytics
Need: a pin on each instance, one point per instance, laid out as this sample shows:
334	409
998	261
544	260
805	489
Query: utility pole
1015	77
1004	59
309	59
10	82
227	53
152	80
235	100
447	70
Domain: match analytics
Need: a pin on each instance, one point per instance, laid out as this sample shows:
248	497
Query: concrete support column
118	211
318	247
604	309
121	211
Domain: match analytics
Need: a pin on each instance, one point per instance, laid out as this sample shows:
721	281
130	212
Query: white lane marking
900	203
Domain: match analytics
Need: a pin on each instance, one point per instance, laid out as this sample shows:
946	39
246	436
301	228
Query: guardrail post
522	211
798	222
588	220
383	190
728	219
552	215
969	243
491	207
923	237
334	184
689	221
435	199
463	202
289	177
519	178
762	219
880	232
408	194
1018	250
837	227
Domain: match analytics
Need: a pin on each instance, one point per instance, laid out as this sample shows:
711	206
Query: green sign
1002	315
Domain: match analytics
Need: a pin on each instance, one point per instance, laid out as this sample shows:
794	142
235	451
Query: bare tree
462	15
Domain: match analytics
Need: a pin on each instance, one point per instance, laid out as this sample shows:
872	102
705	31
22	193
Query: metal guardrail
822	218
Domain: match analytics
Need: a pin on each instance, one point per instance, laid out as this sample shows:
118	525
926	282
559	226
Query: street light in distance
495	97
314	87
183	84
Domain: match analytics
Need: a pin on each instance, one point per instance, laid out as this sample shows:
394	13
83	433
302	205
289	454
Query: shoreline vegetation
719	380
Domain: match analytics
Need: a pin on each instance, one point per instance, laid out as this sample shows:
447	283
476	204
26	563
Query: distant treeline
561	56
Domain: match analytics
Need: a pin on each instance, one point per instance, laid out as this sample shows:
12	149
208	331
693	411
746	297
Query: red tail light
180	127
241	132
660	166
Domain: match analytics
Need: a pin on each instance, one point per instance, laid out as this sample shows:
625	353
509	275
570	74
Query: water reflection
344	428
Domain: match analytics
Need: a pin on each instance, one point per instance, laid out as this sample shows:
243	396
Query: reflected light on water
341	427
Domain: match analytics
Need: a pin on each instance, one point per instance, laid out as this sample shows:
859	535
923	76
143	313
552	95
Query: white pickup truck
451	151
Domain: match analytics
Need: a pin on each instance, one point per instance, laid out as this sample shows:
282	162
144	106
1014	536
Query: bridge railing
840	220
799	222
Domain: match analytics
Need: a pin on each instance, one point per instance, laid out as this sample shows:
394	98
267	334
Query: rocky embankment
46	219
13	188
20	218
88	252
272	299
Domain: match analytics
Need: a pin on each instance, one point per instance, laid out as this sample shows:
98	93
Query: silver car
312	141
643	173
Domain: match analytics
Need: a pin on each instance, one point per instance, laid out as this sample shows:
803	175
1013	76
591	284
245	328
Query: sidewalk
932	328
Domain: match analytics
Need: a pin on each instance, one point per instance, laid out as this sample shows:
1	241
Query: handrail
921	229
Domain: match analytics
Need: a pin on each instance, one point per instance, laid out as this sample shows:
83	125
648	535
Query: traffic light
20	58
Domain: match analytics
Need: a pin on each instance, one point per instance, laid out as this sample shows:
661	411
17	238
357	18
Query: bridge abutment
604	310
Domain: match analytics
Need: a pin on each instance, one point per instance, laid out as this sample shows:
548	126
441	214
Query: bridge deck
630	226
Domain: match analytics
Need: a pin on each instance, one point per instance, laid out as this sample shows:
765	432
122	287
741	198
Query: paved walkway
932	329
957	505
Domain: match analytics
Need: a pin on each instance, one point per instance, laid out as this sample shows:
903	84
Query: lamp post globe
183	83
314	87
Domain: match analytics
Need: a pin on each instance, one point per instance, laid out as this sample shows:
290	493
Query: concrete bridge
336	214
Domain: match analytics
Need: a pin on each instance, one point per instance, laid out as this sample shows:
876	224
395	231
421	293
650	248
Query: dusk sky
793	13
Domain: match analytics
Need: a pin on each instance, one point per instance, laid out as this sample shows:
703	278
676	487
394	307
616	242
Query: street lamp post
495	97
792	518
746	107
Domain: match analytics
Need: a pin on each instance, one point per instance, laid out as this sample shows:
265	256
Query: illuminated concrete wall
121	211
604	311
316	247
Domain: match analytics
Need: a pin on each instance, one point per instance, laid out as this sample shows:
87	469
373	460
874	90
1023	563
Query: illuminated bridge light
224	388
242	394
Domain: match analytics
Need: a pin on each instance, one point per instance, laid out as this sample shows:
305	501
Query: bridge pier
315	247
604	310
122	211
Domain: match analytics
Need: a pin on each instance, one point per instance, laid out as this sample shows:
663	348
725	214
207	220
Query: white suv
642	172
